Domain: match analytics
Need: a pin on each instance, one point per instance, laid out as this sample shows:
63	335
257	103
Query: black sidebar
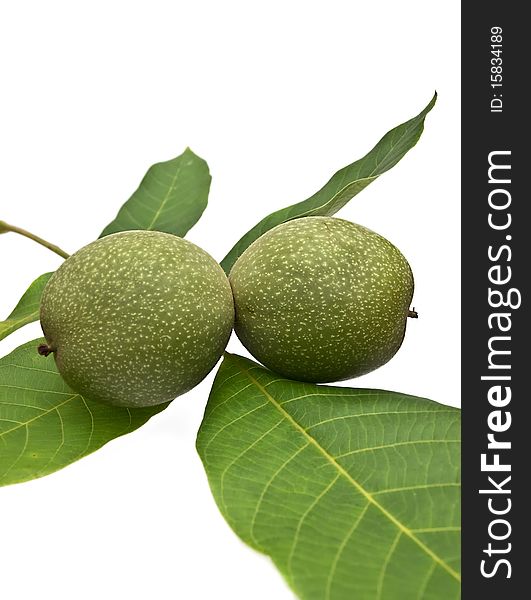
496	269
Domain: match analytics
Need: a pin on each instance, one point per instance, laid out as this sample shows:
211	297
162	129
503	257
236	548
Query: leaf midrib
378	170
10	322
42	414
171	188
372	176
367	495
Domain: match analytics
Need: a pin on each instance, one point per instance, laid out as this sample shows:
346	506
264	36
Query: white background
276	96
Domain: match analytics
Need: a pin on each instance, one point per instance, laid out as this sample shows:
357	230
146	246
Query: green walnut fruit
136	318
321	299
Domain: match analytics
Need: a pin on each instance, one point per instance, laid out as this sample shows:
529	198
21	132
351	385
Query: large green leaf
354	493
344	185
171	197
45	425
27	310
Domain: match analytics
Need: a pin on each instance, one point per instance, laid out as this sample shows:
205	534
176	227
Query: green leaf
171	197
27	310
354	493
44	424
344	185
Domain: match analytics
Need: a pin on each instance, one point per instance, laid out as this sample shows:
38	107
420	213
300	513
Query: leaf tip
431	103
189	152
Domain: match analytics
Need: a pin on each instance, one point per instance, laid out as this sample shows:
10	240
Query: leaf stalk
6	227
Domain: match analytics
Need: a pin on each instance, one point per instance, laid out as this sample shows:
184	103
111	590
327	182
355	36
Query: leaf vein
369	496
409	488
232	423
44	413
397	444
169	191
379	587
311	507
21	453
390	412
268	485
341	548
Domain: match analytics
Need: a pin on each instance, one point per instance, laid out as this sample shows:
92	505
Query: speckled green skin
321	299
137	318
